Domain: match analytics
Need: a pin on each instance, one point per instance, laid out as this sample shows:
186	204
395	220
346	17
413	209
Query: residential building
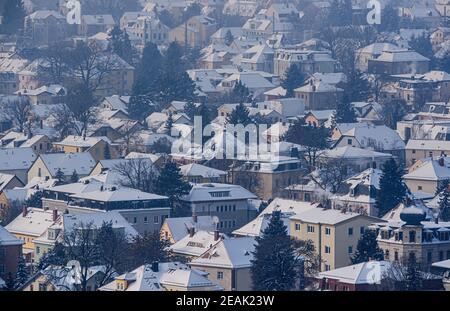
319	95
399	62
174	229
309	61
422	148
197	31
17	161
100	148
93	24
200	174
228	263
46	27
10	254
426	175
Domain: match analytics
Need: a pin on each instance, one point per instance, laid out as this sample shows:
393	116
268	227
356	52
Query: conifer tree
169	123
170	183
22	274
74	177
239	115
228	38
392	189
367	248
273	264
444	204
345	113
13	17
121	45
293	79
414	278
60	176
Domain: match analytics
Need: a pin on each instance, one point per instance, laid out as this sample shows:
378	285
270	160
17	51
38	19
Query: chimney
155	266
191	231
436	219
55	215
194	218
24	211
216	235
41	124
441	161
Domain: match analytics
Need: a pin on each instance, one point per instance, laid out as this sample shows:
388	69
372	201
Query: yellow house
48	165
99	147
335	233
29	225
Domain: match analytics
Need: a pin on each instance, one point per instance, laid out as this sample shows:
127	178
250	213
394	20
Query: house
46	27
196	243
319	95
100	148
228	263
17	161
309	61
369	276
116	102
371	52
92	24
45	95
29	225
50	165
368	136
257	58
319	118
335	233
440	35
199	174
354	159
399	62
8	181
413	237
425	148
9	73
147	28
197	30
359	193
174	229
232	204
60	278
64	224
10	254
159	276
426	175
256	83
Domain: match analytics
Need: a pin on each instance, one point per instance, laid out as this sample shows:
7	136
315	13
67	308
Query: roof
197	244
371	272
43	14
82	142
431	170
195	169
16	158
7	239
230	253
82	162
401	56
5	179
442	264
103	19
349	152
326	216
379	48
117	194
378	137
423	144
34	223
179	226
206	192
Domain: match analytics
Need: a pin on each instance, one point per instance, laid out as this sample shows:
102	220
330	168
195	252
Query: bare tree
137	173
332	173
63	120
19	112
81	101
54	68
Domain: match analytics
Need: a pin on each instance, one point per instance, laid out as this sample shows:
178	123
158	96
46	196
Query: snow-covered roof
425	144
195	169
442	264
371	272
117	194
82	163
207	192
81	141
7	238
402	56
16	158
379	48
431	170
5	179
43	14
34	223
349	152
102	19
230	253
197	244
379	137
179	226
326	216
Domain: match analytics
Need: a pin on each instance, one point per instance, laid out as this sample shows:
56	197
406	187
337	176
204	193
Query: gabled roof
205	192
195	169
34	223
82	162
7	239
179	226
431	169
230	253
197	244
16	159
371	272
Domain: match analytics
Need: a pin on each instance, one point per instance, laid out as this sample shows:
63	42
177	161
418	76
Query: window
219	275
297	227
145	220
350	249
327	231
396	256
429	256
327	249
350	231
386	254
419	188
135	220
361	230
156	219
38	250
310	229
327	267
412	236
349	141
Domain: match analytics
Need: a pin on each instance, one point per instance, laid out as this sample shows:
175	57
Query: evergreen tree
444	204
341	13
392	190
413	278
239	94
148	70
170	183
140	106
273	264
367	248
22	274
393	112
311	137
422	45
13	17
239	115
59	176
358	88
190	109
389	19
35	200
54	257
169	123
120	44
107	152
345	113
74	177
228	38
293	79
